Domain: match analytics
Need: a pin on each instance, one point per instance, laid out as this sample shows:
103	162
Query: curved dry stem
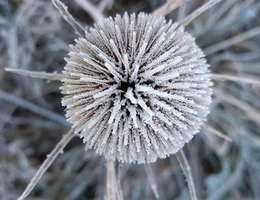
40	75
48	161
198	12
68	17
187	172
232	41
168	7
224	77
216	132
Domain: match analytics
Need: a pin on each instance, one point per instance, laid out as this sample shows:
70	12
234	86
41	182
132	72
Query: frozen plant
137	88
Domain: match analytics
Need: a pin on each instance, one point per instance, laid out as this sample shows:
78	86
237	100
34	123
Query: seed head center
125	85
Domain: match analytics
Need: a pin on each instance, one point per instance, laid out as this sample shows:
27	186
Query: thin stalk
48	161
168	7
187	172
232	41
69	18
198	12
223	77
216	132
40	75
111	181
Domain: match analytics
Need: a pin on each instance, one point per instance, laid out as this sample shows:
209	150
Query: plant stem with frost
216	132
40	75
111	181
232	41
198	12
187	172
68	17
48	161
168	7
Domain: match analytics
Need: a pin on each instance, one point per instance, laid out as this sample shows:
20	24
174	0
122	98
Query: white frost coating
129	95
161	67
106	92
137	88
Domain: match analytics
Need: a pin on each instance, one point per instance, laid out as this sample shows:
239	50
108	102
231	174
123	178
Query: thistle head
137	88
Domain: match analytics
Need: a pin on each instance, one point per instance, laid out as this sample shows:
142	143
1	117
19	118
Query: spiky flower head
137	88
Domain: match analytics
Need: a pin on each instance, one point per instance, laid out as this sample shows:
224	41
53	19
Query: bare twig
198	12
216	132
41	75
33	108
46	164
151	179
232	41
68	17
92	10
236	79
187	172
168	7
111	181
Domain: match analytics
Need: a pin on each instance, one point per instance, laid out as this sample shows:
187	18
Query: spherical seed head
137	88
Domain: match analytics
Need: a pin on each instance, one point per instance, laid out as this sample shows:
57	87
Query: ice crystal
137	88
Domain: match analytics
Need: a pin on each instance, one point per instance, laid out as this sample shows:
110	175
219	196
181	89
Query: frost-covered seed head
137	88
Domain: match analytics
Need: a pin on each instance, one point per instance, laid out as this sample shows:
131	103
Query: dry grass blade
250	112
68	17
232	41
33	108
187	172
151	179
92	10
168	7
216	132
236	79
41	75
111	181
46	164
198	12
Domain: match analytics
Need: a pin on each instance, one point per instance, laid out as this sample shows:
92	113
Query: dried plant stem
250	112
68	17
111	181
216	132
40	75
198	12
151	179
105	4
46	164
236	79
187	172
232	41
168	7
92	10
33	108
